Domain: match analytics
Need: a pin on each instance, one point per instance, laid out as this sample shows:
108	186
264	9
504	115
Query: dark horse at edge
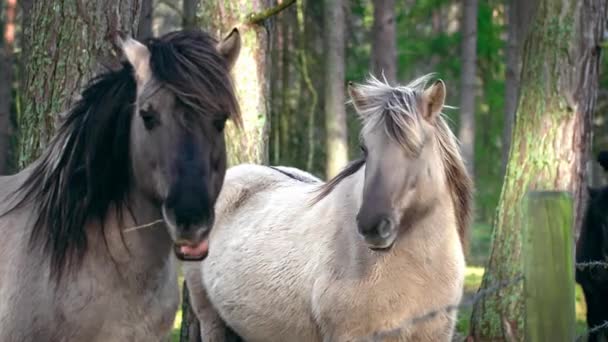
592	246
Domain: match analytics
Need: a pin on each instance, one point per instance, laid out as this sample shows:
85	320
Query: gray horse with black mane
143	146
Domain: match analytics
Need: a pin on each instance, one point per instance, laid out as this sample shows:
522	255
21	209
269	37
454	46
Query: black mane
86	168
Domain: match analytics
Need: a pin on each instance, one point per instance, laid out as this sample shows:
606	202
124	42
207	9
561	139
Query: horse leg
596	314
212	327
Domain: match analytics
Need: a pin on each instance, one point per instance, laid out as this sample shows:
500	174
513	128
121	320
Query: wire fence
471	301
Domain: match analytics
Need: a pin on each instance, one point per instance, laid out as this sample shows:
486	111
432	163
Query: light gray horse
357	258
144	144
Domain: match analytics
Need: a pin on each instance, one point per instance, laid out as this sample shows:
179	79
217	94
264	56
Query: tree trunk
189	14
63	45
144	31
251	74
6	80
559	82
335	113
518	17
468	89
384	50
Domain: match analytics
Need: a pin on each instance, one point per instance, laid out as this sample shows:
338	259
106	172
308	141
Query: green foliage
428	40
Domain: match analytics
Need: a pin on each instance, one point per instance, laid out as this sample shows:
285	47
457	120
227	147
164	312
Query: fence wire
405	324
597	328
591	264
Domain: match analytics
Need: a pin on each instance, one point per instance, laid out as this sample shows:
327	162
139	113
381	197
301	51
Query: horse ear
230	47
355	95
433	100
138	56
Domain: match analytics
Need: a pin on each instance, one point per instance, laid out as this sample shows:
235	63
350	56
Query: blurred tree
144	30
384	50
550	144
63	45
189	14
335	113
7	25
468	80
518	17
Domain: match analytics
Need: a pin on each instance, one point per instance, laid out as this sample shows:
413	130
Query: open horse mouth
189	252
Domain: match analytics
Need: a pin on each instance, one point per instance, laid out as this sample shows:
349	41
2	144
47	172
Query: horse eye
150	118
363	149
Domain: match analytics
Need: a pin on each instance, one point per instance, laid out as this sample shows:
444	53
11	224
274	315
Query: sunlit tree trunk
7	40
468	78
559	82
251	74
384	50
63	45
144	31
335	113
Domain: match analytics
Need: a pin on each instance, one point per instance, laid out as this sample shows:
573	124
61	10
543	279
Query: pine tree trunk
468	77
384	50
518	17
63	46
144	30
189	14
335	113
6	79
559	82
251	74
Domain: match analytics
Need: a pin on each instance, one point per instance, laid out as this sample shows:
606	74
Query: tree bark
6	80
559	83
63	46
384	49
468	88
189	14
518	17
251	74
144	31
335	113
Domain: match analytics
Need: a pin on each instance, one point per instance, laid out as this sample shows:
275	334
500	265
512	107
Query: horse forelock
188	64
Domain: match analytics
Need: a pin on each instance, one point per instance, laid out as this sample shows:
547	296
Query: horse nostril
384	229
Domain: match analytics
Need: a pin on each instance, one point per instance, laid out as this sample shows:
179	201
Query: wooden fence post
549	267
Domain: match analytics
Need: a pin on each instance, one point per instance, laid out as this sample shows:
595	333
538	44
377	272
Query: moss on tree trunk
251	74
550	145
64	44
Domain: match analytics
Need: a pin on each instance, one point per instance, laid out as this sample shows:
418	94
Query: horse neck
142	250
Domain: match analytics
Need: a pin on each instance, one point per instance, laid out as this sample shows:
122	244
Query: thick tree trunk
6	79
144	31
335	113
189	14
550	142
468	78
384	50
63	45
251	74
518	18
